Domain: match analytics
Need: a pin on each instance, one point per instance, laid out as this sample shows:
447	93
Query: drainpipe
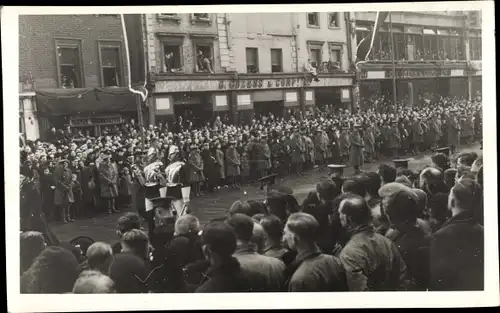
349	38
295	37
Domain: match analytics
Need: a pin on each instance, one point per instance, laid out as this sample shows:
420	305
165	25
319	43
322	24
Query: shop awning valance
52	102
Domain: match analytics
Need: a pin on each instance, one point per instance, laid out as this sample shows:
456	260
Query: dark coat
373	263
457	255
186	248
232	162
219	164
226	277
316	272
108	176
63	193
414	247
262	156
357	146
195	167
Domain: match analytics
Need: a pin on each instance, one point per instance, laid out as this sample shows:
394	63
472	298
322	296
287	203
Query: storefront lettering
76	122
415	73
262	83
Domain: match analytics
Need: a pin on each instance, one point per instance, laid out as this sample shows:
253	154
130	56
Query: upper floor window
200	17
276	60
172	60
111	65
335	57
333	19
170	16
315	56
313	19
204	56
252	56
69	63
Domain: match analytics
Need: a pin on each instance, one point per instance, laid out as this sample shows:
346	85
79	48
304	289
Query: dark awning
52	102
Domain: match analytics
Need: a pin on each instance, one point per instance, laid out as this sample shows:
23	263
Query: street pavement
214	205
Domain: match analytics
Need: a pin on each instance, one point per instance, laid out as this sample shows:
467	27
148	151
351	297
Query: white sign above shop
169	86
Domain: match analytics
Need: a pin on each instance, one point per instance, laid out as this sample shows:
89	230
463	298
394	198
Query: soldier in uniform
369	140
63	195
344	143
233	163
263	156
297	148
220	164
195	170
394	139
417	135
433	133
321	146
453	130
209	167
467	129
108	181
357	147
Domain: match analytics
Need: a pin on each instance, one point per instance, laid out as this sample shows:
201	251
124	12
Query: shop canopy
75	101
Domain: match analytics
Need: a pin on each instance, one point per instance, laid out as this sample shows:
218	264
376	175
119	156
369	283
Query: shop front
247	96
414	84
90	110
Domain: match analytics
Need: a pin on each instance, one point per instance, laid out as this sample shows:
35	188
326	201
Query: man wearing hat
357	147
394	138
417	134
108	179
453	132
195	170
369	141
63	195
233	163
321	146
298	149
263	156
344	142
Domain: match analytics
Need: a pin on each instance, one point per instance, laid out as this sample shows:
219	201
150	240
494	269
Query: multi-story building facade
434	53
72	72
238	64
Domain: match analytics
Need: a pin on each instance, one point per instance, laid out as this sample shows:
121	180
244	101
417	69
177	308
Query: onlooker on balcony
204	63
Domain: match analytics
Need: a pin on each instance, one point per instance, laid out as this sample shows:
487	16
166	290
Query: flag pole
393	61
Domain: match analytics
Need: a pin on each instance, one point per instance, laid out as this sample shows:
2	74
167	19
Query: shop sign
413	73
247	84
92	121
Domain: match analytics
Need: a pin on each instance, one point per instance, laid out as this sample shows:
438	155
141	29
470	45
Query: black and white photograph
250	152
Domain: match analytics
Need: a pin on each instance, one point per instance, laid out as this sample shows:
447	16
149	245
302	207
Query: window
333	20
400	47
315	57
252	60
69	63
111	66
335	57
475	47
276	60
430	45
313	19
172	56
204	57
200	17
169	16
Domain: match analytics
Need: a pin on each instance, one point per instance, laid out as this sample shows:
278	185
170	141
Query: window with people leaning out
172	57
416	43
204	59
69	62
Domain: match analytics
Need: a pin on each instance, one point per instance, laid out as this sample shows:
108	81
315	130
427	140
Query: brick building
257	64
434	52
72	72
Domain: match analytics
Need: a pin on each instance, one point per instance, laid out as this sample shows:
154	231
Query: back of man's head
187	224
240	207
304	226
242	226
356	209
273	227
387	173
220	238
402	208
128	221
98	254
373	184
135	241
93	282
327	190
355	185
466	158
467	195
